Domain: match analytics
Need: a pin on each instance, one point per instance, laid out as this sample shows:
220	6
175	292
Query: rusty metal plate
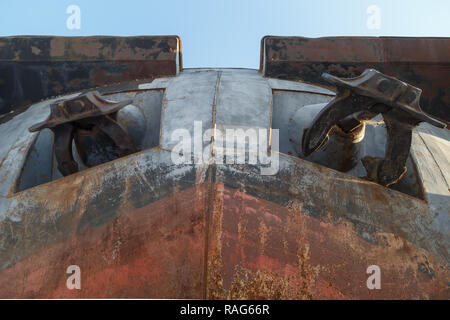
152	252
422	62
34	68
261	250
306	233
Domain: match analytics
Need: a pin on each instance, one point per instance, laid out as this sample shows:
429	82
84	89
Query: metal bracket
88	115
362	98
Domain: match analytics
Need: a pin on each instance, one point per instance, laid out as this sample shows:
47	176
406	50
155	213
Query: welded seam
269	138
275	90
211	193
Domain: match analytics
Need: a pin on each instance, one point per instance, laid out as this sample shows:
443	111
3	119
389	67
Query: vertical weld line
211	193
163	113
213	118
269	138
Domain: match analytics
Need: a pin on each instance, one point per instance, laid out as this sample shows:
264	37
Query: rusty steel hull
219	232
143	227
423	62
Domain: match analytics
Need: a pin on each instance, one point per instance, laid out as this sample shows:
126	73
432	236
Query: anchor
91	121
361	99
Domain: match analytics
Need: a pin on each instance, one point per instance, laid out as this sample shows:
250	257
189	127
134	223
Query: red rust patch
153	252
255	249
296	256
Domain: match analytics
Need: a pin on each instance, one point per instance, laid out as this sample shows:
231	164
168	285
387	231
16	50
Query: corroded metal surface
261	250
33	68
423	62
239	237
155	251
312	233
141	226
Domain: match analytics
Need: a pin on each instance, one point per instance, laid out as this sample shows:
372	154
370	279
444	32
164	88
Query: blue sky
226	33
